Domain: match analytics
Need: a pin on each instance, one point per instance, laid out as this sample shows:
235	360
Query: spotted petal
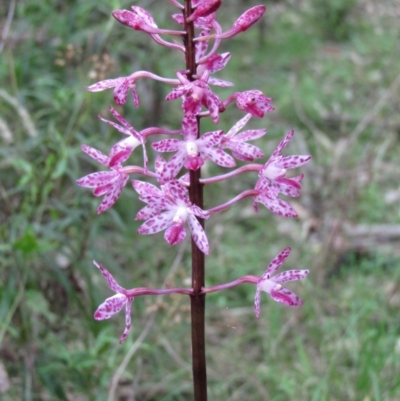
175	234
94	180
198	234
95	154
110	307
276	263
219	157
257	302
291	275
254	102
276	205
167	145
244	151
112	284
105	84
220	82
112	196
157	223
127	320
285	296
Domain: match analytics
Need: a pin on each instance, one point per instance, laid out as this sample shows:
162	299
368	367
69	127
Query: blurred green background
332	68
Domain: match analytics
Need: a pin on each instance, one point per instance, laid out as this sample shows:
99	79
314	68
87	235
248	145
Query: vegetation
334	80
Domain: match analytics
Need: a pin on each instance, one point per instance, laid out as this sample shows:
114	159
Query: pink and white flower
121	87
254	102
273	173
192	151
196	94
204	8
107	183
237	143
140	19
212	64
169	208
114	304
121	151
272	285
268	196
242	24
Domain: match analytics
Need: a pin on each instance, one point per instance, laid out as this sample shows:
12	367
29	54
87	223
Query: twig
370	116
7	25
135	346
23	113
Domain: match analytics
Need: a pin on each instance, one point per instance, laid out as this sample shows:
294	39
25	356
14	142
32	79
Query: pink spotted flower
272	180
273	173
242	24
121	86
268	196
272	285
254	102
169	208
197	94
192	151
237	143
213	64
140	19
204	8
108	183
121	151
114	304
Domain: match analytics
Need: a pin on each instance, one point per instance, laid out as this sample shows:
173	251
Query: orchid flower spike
114	304
272	285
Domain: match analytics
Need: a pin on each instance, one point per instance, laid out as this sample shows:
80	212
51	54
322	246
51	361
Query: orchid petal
112	196
175	234
198	234
276	263
157	223
167	145
290	275
257	302
112	284
127	320
110	307
219	157
97	179
105	84
286	297
95	154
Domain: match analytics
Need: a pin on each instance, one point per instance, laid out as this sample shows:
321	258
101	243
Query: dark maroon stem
197	300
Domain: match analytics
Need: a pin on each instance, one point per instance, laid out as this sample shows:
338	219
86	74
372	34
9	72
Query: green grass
333	81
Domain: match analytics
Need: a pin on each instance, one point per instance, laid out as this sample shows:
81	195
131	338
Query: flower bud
205	8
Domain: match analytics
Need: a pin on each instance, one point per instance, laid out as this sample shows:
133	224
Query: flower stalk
197	299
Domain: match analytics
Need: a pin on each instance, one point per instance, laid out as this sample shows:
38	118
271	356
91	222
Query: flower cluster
169	204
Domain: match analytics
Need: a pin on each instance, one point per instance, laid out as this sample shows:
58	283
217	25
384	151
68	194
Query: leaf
27	243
